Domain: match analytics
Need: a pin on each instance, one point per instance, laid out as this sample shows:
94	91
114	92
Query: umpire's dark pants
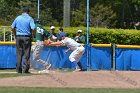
23	48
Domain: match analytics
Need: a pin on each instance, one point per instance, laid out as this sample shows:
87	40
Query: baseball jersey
41	33
23	24
80	39
70	43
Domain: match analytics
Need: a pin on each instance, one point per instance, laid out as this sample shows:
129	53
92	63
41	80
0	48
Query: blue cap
62	34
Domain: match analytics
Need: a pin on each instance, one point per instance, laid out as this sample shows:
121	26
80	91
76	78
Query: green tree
102	16
8	10
78	18
32	5
51	11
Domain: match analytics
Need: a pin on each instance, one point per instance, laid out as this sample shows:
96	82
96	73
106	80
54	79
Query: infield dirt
87	79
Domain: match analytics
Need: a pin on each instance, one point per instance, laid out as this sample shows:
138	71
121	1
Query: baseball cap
79	30
52	27
62	34
25	9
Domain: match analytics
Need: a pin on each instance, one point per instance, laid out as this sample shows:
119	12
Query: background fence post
113	56
4	30
87	36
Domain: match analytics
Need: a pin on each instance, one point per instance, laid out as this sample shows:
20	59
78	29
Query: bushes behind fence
107	36
101	35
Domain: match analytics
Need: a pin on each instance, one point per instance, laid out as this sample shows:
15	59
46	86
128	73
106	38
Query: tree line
103	13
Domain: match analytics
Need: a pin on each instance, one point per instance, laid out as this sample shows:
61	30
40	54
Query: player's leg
80	65
33	48
76	55
80	52
26	56
36	55
19	54
74	60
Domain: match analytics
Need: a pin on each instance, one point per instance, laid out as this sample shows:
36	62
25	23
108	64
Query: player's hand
46	42
66	51
50	41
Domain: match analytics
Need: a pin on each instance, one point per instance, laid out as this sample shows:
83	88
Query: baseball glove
46	42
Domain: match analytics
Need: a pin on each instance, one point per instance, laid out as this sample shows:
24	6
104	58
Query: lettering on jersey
40	30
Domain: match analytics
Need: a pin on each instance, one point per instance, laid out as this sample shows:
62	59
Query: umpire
22	28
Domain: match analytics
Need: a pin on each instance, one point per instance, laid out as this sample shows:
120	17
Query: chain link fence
6	34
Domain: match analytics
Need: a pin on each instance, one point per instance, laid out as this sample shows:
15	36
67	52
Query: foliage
7	11
107	36
99	35
78	19
118	36
104	13
102	16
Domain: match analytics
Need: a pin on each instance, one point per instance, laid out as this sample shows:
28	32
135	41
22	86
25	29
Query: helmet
37	21
62	34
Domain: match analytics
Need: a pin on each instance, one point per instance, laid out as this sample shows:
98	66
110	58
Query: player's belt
23	36
79	45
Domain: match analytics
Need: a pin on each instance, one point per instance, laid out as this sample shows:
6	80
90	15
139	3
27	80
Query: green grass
65	90
8	75
7	70
5	75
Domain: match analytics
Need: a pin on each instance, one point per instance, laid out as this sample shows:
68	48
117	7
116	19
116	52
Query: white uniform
78	49
36	49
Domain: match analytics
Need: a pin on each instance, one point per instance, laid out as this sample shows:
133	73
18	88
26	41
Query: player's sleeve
14	24
63	42
47	34
32	24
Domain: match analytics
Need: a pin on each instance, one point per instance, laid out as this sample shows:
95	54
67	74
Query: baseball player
78	50
41	34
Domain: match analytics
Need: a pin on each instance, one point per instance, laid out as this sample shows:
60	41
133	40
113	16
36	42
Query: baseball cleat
48	66
43	71
77	70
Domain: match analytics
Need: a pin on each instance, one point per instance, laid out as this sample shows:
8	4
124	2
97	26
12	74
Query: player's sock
75	64
80	65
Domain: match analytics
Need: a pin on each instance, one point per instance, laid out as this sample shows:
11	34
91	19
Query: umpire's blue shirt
23	24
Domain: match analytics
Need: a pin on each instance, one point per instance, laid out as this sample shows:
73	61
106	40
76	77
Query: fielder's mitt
46	42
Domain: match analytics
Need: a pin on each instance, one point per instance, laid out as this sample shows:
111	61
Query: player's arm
47	41
13	26
48	36
14	31
67	50
58	43
34	32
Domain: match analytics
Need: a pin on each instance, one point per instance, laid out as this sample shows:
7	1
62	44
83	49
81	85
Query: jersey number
40	30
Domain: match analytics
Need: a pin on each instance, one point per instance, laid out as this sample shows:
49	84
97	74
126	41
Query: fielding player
41	35
78	50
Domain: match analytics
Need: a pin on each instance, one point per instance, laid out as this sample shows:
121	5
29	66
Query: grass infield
65	90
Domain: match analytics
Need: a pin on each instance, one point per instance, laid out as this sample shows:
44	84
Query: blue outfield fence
7	56
58	59
126	58
101	58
